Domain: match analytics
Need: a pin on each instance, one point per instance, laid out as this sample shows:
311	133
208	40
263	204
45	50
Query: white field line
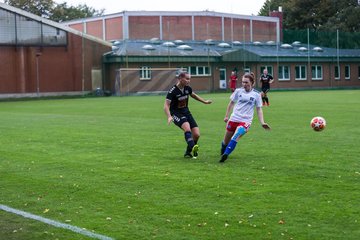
54	223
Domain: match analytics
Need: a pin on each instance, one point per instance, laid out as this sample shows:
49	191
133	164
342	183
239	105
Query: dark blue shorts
265	90
180	118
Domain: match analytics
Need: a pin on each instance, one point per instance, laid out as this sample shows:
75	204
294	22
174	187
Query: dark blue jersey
179	99
265	81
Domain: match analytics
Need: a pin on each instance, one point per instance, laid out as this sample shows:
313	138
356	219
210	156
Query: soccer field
112	166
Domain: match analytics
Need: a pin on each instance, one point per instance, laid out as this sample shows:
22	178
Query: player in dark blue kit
177	111
265	80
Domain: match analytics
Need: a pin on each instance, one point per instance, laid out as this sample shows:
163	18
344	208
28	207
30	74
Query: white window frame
282	73
145	73
299	68
347	77
318	72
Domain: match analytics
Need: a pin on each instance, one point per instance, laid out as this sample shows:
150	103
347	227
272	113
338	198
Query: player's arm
200	99
167	111
229	109
271	79
261	118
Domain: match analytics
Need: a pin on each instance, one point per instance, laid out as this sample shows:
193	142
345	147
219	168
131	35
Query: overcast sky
244	7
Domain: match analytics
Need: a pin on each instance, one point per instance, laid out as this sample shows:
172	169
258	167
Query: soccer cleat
195	150
223	158
188	155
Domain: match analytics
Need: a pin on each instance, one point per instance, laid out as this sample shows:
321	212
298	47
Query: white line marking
54	223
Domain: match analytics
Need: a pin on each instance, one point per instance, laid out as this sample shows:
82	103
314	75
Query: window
24	31
347	72
145	73
247	69
337	72
300	72
284	73
316	72
199	71
269	68
358	72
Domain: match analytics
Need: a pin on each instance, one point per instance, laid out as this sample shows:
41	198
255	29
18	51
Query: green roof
209	51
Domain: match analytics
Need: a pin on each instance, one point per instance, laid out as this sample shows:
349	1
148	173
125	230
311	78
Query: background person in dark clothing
265	81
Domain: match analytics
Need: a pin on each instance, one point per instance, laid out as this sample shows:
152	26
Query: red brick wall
180	27
264	31
280	16
208	28
241	26
95	28
60	68
10	59
78	26
177	27
114	28
144	27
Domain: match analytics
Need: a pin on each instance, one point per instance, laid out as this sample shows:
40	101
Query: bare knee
195	133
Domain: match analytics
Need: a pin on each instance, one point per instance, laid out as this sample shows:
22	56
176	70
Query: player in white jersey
242	104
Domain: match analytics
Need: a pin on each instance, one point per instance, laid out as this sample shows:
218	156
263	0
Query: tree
271	5
63	12
316	14
56	12
41	8
347	19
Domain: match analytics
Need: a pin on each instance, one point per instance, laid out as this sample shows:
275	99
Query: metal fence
332	39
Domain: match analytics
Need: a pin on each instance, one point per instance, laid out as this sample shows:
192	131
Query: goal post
145	80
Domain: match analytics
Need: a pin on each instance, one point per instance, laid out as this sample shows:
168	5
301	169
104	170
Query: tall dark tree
271	5
317	14
56	12
41	8
63	12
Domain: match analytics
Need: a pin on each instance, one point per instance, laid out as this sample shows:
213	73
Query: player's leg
263	94
195	131
239	132
188	138
196	135
225	142
182	122
266	98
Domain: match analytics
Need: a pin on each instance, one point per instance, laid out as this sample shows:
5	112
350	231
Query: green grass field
113	166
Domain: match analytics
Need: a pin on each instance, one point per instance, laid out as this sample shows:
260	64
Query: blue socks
230	147
189	140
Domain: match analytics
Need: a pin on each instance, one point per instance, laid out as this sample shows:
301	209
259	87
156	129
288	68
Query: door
222	80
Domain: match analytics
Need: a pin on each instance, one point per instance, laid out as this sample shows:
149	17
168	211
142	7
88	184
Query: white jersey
244	105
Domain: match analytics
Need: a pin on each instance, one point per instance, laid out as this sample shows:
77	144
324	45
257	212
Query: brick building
41	57
187	26
211	45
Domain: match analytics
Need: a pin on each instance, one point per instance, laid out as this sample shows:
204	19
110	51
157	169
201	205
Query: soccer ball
318	123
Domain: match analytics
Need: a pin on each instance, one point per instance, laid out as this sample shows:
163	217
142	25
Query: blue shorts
180	118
